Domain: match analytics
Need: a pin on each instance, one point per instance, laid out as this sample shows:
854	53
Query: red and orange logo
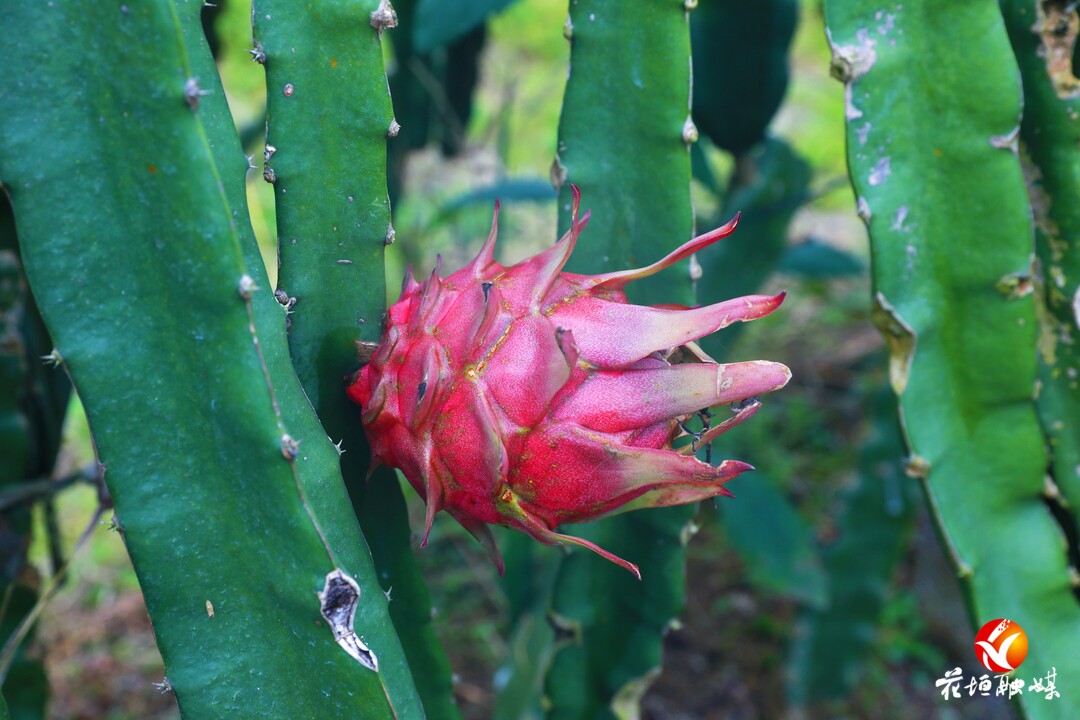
1001	645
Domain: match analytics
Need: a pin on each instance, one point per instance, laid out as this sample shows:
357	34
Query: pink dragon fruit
528	397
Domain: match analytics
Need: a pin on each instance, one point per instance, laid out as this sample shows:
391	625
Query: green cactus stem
1043	35
226	487
931	130
740	68
329	135
623	139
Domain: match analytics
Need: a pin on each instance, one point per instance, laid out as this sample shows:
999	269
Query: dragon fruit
529	397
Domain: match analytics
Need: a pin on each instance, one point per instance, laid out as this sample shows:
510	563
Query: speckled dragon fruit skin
528	397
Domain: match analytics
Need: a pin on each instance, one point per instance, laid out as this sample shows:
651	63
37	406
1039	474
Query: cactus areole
529	397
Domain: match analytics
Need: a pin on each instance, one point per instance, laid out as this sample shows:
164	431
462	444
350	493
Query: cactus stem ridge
290	447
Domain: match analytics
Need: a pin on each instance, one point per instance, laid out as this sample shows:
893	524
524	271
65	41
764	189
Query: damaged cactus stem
530	397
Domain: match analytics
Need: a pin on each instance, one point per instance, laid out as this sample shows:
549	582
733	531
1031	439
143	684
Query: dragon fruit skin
528	397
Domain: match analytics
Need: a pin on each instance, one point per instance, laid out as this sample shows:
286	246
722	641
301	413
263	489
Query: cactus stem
289	446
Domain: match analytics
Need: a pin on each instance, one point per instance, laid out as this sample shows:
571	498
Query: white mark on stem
338	601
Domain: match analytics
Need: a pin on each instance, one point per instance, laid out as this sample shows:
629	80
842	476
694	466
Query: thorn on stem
192	93
258	54
689	131
284	300
290	447
384	17
558	173
247	286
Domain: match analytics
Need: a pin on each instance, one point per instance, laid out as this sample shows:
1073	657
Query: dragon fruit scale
529	397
